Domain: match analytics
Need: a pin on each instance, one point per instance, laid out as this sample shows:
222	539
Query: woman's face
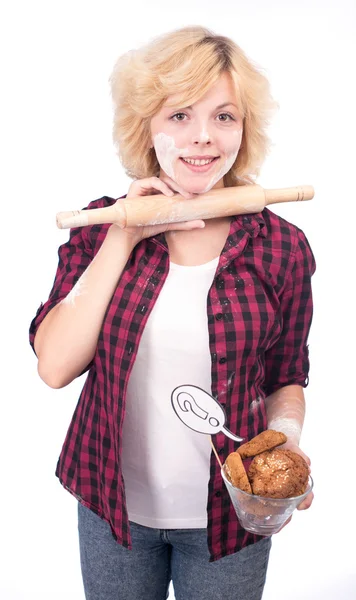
197	145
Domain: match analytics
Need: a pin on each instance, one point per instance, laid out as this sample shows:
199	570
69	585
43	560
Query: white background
57	154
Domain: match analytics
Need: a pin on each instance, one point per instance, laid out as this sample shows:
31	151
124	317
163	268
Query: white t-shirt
166	465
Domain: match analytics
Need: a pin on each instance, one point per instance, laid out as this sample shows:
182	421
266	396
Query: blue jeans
158	556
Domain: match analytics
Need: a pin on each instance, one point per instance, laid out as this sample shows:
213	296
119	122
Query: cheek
168	131
231	143
167	146
167	152
177	138
164	146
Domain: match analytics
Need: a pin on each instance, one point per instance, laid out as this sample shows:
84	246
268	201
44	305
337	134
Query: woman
224	304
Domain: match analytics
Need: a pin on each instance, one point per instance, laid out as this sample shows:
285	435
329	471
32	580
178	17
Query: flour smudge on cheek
231	156
167	153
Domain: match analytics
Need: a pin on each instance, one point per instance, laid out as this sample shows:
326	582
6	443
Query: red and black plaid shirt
259	311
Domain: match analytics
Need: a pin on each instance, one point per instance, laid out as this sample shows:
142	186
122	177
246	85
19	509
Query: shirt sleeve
74	257
287	361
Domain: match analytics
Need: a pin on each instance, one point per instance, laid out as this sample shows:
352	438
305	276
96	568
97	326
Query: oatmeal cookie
263	441
278	473
236	472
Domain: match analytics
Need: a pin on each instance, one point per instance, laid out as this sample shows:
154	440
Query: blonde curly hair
187	61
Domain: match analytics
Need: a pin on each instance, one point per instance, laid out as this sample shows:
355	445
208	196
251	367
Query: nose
201	136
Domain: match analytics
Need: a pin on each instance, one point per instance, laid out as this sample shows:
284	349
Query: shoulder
102	202
95	234
288	237
291	237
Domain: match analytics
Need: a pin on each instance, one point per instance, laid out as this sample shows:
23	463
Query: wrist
119	236
289	426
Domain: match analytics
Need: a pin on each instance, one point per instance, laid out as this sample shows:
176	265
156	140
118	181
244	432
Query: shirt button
217	494
221	450
219	316
222	360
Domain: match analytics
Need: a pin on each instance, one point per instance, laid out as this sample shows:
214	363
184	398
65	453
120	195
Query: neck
198	246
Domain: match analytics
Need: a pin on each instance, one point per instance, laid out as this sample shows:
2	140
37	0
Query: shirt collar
253	223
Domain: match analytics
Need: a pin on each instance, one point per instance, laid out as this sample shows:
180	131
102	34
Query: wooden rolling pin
158	208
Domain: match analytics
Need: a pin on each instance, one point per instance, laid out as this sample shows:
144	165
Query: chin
199	189
193	187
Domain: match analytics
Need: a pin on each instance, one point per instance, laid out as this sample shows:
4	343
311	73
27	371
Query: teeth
198	162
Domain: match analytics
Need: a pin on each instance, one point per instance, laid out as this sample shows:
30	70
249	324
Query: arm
66	339
65	331
286	411
287	361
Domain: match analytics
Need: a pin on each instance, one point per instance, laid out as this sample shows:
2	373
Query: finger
158	184
186	225
175	186
145	186
162	228
307	502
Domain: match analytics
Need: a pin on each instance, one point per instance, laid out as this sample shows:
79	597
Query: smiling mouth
199	166
199	162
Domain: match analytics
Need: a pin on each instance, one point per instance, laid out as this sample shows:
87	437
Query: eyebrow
217	107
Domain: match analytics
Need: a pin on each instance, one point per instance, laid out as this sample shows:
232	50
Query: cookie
263	441
278	473
236	472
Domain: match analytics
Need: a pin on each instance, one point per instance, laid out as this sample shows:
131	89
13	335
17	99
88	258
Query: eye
230	117
178	114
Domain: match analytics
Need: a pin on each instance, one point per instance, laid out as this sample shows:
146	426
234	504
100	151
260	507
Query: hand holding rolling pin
163	211
148	188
